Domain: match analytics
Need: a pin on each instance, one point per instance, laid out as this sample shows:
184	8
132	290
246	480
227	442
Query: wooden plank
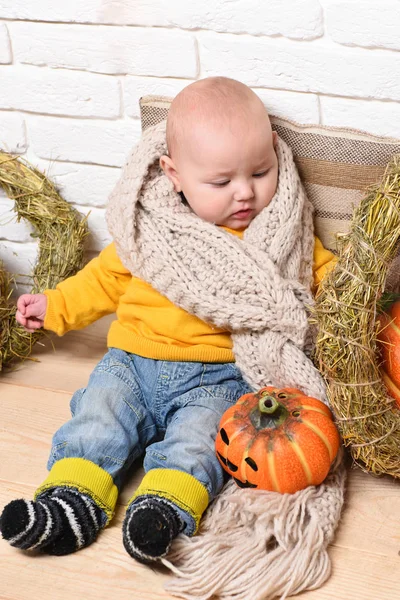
359	576
370	520
105	570
63	363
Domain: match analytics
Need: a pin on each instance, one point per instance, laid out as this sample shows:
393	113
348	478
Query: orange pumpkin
277	439
389	344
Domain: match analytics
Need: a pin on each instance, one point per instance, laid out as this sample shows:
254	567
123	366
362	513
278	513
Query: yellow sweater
147	323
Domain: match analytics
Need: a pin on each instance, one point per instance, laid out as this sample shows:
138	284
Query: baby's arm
79	300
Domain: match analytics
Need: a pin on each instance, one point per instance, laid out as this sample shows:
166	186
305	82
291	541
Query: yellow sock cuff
88	478
177	486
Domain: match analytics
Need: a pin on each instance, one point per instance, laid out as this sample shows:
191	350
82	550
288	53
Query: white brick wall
5	49
383	118
85	185
59	92
300	19
105	49
319	66
12	132
81	140
366	23
71	75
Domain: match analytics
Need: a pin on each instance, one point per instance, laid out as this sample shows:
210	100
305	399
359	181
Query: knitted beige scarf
252	545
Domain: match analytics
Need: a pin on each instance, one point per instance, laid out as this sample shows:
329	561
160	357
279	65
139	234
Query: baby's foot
60	521
150	526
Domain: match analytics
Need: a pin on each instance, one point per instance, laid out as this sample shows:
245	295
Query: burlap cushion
336	166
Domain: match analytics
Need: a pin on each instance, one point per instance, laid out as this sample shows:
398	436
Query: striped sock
59	522
150	525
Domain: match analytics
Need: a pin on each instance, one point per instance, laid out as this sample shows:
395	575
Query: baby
168	375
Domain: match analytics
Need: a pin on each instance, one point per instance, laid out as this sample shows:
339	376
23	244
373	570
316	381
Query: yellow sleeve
324	261
89	295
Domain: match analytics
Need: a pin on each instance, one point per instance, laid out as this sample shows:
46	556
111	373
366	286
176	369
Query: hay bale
4	285
61	232
346	310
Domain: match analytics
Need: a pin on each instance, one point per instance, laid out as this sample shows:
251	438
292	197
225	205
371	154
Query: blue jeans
168	410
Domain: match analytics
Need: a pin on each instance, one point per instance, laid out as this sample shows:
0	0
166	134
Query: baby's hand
31	310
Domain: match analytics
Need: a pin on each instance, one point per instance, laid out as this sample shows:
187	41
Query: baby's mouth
243	214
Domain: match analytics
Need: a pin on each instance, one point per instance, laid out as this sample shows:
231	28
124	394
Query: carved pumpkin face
277	439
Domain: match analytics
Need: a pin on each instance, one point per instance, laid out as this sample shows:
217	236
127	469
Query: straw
346	312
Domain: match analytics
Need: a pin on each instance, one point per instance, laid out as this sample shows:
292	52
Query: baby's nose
244	191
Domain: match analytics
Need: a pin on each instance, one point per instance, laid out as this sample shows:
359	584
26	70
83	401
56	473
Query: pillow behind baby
336	165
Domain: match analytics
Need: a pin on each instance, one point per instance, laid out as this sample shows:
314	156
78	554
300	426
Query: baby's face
228	175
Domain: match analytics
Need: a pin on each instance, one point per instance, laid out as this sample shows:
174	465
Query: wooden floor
35	402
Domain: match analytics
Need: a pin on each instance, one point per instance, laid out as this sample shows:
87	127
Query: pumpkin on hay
389	346
277	439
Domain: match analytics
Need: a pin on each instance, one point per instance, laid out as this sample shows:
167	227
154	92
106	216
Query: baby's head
221	151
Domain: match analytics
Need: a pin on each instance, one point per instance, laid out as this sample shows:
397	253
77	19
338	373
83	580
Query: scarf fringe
256	545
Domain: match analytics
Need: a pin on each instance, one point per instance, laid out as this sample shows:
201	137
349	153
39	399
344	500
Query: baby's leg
109	429
182	472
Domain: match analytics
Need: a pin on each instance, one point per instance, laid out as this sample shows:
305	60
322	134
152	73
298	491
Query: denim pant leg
191	425
110	425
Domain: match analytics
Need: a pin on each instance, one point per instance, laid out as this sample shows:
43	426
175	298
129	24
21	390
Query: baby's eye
260	174
220	183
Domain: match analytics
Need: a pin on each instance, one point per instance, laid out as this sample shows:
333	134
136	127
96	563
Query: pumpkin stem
268	405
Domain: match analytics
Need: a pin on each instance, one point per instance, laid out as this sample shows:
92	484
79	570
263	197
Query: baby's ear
274	138
169	169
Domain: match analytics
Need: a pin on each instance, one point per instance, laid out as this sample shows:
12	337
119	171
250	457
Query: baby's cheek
270	189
